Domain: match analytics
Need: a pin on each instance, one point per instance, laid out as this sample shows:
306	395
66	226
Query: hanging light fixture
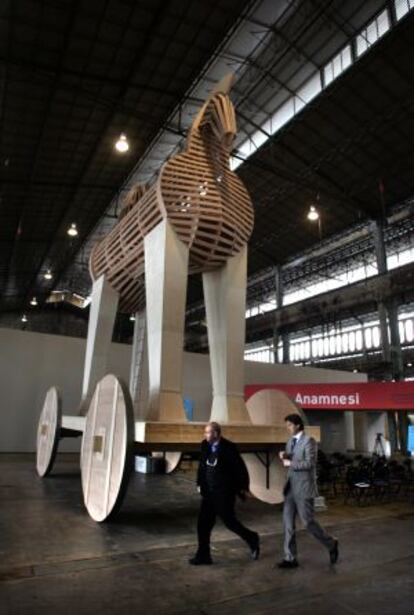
24	318
48	275
72	230
122	144
33	301
313	214
132	318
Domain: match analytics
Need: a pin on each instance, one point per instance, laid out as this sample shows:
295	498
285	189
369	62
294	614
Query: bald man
222	474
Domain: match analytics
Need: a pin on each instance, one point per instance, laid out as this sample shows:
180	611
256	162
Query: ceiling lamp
48	275
132	318
33	301
122	144
72	230
313	213
24	318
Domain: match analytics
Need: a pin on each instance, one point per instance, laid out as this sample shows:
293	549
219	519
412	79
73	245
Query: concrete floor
55	559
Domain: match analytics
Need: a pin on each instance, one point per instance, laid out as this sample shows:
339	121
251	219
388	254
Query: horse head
216	117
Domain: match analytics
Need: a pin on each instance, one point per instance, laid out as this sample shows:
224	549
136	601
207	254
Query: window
282	115
409	330
376	338
258	138
368	338
402	7
337	65
401	329
377	28
308	91
320	347
235	163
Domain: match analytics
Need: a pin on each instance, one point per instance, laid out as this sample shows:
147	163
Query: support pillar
279	304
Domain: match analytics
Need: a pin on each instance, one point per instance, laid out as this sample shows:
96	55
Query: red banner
346	396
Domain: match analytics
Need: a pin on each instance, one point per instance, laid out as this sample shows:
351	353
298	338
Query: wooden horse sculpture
196	217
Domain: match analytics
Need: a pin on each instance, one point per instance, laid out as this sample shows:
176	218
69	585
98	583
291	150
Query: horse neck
204	142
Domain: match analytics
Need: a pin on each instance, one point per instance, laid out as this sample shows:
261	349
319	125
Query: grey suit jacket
302	471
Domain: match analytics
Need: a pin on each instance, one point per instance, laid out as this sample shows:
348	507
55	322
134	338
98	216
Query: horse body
205	202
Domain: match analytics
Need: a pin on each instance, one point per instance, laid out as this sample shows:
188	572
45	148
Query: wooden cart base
110	437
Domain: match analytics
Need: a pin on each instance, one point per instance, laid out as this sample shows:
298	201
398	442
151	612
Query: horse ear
224	85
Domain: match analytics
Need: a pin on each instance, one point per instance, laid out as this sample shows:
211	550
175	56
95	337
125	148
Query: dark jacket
234	476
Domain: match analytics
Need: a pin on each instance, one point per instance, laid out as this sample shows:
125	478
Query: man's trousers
305	509
220	505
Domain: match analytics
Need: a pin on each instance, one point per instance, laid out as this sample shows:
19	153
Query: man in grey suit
300	490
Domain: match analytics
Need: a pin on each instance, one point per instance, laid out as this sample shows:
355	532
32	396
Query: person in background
300	490
222	474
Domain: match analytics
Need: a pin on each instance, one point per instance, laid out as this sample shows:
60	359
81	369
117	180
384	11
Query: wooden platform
188	436
158	436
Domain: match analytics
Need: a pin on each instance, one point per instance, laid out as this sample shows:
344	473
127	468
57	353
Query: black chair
358	484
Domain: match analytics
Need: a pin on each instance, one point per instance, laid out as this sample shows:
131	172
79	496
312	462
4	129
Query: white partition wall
32	362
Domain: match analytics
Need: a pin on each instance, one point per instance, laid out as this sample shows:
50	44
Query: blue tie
294	444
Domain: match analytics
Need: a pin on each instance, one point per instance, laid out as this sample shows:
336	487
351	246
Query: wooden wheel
106	454
48	432
172	460
267	475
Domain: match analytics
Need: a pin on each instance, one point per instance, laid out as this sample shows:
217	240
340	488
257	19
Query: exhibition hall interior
206	307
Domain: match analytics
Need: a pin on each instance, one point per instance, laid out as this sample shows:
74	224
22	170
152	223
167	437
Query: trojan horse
197	217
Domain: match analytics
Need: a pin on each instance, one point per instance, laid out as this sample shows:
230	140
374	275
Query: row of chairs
363	479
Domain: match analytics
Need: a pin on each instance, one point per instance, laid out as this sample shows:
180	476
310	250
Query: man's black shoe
334	553
197	560
255	549
288	564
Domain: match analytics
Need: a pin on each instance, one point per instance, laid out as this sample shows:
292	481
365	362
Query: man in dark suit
300	490
222	474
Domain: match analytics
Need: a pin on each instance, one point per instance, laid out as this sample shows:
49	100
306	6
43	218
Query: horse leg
166	272
225	299
104	305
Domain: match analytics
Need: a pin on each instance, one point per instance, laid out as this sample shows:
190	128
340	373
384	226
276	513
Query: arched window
401	329
409	330
376	338
320	347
